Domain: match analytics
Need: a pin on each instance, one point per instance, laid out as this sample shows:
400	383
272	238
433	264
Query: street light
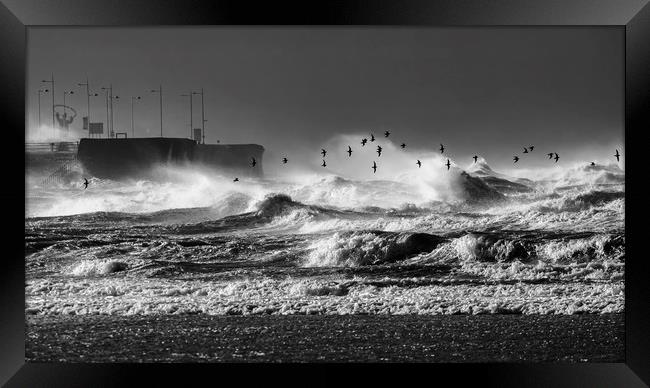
112	120
65	93
88	95
108	116
52	82
159	91
40	91
191	124
203	120
132	127
109	109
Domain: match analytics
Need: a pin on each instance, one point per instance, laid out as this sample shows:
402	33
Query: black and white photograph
325	194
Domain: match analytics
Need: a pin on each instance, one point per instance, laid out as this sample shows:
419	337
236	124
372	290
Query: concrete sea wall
135	158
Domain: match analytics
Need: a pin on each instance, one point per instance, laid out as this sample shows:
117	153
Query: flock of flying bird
364	141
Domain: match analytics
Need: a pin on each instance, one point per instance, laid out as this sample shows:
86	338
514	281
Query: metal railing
67	147
62	172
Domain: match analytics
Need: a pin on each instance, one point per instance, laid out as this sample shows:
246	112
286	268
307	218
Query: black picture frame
17	15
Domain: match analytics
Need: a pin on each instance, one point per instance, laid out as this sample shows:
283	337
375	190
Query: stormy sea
436	265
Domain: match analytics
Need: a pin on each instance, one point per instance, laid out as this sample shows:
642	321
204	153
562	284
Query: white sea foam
265	296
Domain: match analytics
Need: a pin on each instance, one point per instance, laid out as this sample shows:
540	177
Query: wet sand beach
305	338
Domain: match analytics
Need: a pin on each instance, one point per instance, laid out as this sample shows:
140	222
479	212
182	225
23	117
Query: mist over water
304	238
347	182
46	134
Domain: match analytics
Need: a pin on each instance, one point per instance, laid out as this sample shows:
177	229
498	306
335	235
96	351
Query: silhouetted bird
617	156
85	183
324	164
372	137
374	167
475	158
323	152
386	133
550	155
364	141
403	145
515	158
349	151
379	150
525	150
236	180
442	148
593	164
556	157
285	160
531	148
419	163
253	162
448	164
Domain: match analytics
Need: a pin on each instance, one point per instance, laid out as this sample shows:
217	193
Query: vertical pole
202	118
161	125
132	130
191	123
111	102
66	123
53	127
107	117
39	108
88	97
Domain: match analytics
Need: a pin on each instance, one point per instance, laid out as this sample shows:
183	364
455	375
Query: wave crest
492	248
97	268
369	247
480	247
276	204
575	202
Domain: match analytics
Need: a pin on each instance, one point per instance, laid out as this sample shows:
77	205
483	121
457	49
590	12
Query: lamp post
108	91
109	109
52	82
65	93
87	85
112	120
40	91
191	123
132	126
159	91
203	120
107	115
90	95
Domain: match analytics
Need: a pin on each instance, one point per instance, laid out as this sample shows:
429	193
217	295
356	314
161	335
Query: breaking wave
584	200
97	267
562	249
369	247
274	205
358	248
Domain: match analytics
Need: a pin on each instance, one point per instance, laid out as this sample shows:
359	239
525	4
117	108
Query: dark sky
477	90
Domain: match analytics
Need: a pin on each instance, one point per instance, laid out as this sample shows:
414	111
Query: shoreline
326	338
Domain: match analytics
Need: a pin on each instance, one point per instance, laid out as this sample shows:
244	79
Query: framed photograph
224	183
